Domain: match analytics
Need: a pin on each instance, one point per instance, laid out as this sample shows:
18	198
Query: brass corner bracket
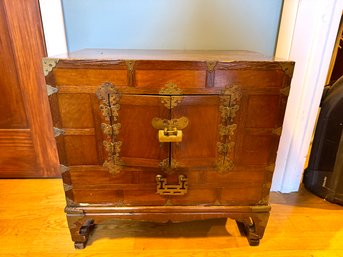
287	67
51	90
58	132
49	64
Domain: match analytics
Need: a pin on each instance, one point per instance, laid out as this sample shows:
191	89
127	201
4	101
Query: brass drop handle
164	189
169	130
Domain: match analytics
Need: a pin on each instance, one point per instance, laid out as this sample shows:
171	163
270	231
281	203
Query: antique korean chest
167	135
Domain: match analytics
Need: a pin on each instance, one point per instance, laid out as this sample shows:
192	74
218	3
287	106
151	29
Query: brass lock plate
170	136
170	130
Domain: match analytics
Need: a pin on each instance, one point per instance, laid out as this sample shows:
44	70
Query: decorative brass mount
130	71
211	65
109	108
164	189
175	93
169	166
169	130
49	64
228	109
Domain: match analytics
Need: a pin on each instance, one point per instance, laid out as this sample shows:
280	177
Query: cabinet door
129	139
140	145
198	148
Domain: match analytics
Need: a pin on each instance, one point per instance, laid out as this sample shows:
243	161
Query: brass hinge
224	164
51	90
211	65
49	64
224	148
228	130
130	71
58	132
130	64
109	97
230	100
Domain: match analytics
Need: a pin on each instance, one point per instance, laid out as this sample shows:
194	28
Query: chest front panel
110	141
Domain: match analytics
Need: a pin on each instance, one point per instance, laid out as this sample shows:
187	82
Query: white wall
173	24
53	25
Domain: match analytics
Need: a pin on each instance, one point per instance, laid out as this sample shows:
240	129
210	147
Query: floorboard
32	223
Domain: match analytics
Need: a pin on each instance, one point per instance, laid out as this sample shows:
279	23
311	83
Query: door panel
199	144
12	113
140	145
27	145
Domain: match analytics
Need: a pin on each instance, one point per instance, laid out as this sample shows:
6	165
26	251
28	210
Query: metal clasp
169	130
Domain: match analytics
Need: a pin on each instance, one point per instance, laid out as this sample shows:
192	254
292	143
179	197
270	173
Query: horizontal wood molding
15	138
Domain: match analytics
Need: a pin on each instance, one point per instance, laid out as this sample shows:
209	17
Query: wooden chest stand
167	135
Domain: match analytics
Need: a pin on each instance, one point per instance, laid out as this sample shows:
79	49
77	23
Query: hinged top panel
168	55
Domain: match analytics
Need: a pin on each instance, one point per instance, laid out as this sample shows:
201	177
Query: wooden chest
167	135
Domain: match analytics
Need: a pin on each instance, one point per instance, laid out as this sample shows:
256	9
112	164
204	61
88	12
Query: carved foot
80	229
79	245
254	227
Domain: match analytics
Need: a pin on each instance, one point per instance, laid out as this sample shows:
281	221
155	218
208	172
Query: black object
324	174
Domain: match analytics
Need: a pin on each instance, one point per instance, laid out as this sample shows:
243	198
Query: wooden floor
33	224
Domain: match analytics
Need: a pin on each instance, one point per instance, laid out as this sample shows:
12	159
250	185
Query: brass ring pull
164	189
169	130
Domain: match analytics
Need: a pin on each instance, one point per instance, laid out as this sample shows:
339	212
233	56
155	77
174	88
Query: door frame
307	36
